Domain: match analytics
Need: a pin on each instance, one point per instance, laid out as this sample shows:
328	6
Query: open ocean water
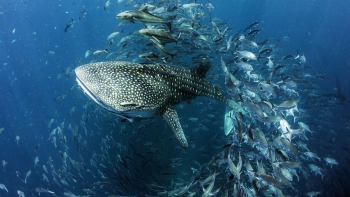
55	141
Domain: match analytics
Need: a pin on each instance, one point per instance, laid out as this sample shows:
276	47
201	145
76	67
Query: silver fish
312	156
270	179
317	170
159	45
112	35
246	55
2	186
312	193
160	34
247	43
107	4
244	66
20	193
143	16
42	190
27	175
330	161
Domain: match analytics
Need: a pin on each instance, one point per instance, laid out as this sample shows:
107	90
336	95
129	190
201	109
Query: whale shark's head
124	88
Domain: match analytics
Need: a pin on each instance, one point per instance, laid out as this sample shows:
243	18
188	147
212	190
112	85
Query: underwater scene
174	98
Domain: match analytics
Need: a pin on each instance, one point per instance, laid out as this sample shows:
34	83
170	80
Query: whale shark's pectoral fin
172	119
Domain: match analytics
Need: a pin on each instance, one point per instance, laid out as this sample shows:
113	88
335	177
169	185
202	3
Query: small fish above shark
144	16
136	91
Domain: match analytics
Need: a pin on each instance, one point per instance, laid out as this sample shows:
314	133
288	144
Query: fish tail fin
165	59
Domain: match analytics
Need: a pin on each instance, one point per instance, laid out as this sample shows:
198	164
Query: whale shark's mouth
94	97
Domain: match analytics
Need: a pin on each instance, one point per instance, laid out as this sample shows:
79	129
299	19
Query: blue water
35	50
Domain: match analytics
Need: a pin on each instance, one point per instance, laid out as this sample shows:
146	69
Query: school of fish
254	126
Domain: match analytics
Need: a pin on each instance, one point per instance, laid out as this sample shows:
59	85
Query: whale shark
135	91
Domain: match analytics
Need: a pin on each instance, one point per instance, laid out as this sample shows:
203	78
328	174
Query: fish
330	161
255	111
20	193
36	160
246	55
112	35
265	51
317	170
253	32
233	169
87	53
255	23
289	164
27	176
45	178
228	121
69	25
247	43
45	169
82	13
100	51
36	148
312	156
159	45
259	137
151	55
137	91
207	191
42	190
2	186
270	179
107	4
60	97
19	176
269	63
244	66
210	6
160	34
191	5
312	193
286	105
301	58
144	16
3	164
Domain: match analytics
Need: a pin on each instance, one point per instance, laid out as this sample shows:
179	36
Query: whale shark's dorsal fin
170	116
200	69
